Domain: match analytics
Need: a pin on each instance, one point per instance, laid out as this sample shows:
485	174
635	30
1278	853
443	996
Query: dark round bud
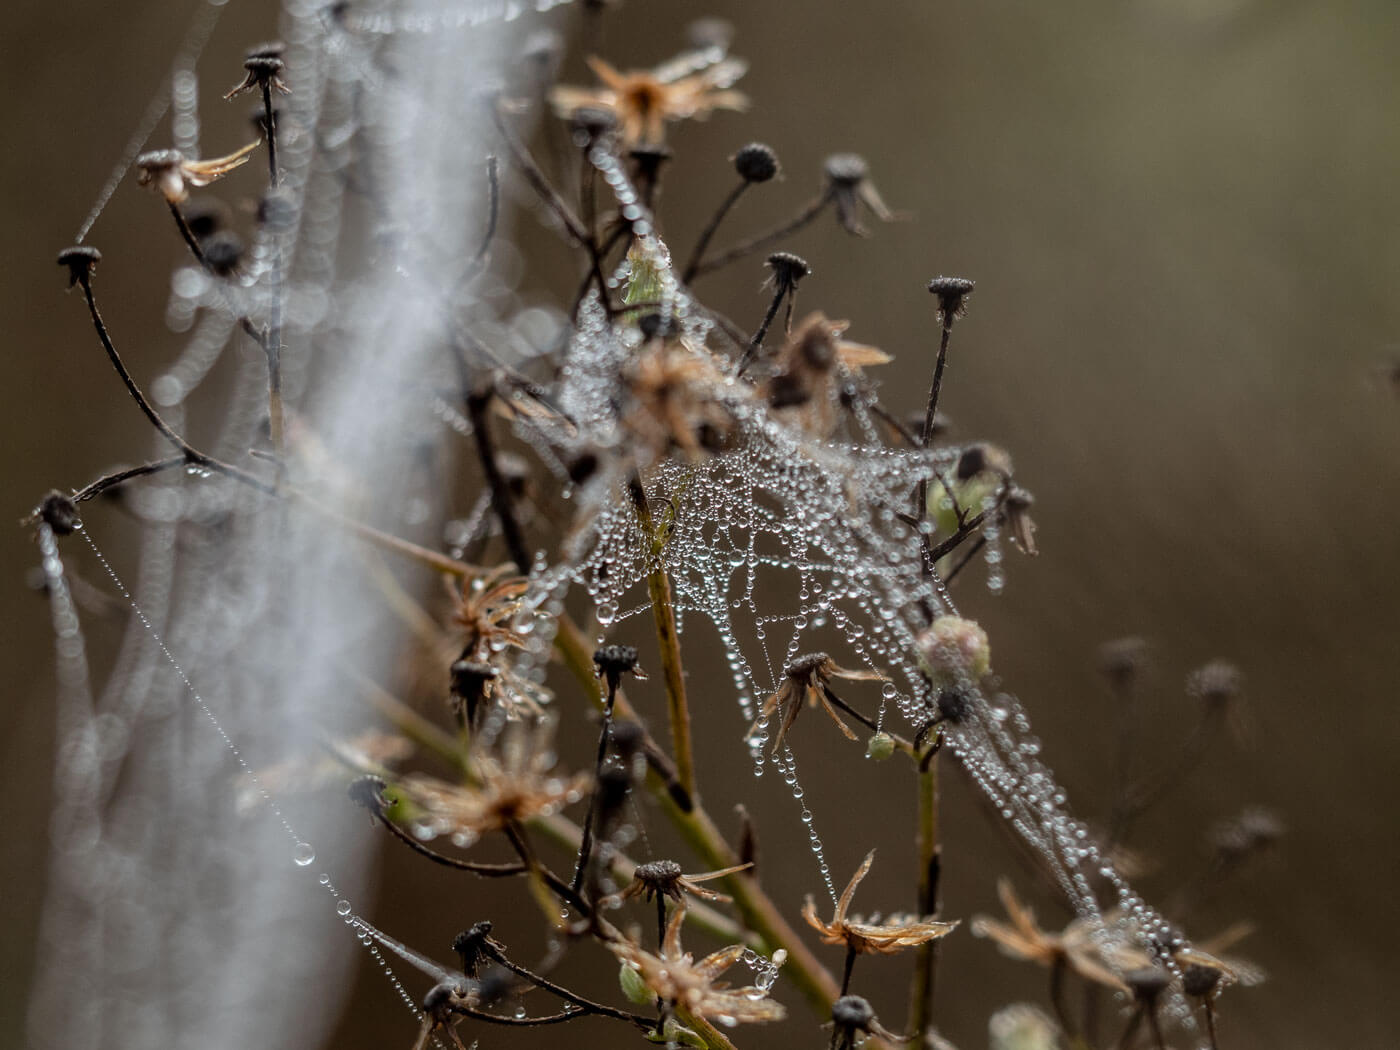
223	251
846	169
976	459
368	791
1199	981
59	513
263	67
81	260
853	1013
1122	659
953	704
756	162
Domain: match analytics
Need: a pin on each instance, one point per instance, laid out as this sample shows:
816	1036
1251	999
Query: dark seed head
59	513
852	1013
1199	981
788	269
263	67
614	659
953	705
658	873
756	162
806	665
223	251
81	260
952	293
846	170
368	791
271	49
474	946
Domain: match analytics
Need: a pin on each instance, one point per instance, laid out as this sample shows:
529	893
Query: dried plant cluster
666	460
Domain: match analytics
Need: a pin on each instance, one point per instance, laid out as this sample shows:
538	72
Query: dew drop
304	854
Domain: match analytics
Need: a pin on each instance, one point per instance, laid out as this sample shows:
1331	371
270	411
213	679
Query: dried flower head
886	937
848	183
677	396
1122	660
1020	526
263	65
611	662
516	782
810	365
644	100
475	946
674	975
1216	683
663	878
952	293
1021	938
808	678
472	686
487	607
171	173
59	513
787	269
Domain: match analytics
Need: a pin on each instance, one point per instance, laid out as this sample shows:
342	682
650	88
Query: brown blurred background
1182	222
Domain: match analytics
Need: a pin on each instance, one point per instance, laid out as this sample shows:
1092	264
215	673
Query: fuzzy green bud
880	746
955	649
634	987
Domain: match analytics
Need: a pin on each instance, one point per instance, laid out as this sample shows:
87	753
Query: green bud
675	1032
634	987
1022	1026
955	649
879	747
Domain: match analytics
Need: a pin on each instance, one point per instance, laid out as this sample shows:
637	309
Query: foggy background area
1182	222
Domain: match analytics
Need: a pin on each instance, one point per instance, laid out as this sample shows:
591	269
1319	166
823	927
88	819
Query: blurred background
1182	222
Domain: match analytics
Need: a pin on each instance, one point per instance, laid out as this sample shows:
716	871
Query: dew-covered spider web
174	917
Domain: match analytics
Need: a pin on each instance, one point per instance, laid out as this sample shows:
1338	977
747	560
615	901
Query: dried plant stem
759	913
814	208
930	854
501	501
708	233
669	641
274	176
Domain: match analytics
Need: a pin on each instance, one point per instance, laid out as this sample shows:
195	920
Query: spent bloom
674	975
886	937
171	173
664	878
1021	938
808	678
644	100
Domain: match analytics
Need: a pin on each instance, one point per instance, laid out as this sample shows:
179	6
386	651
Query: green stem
668	640
930	859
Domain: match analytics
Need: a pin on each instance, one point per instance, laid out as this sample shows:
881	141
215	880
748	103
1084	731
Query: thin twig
709	231
806	215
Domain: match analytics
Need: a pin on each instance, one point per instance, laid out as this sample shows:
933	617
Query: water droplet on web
304	855
343	908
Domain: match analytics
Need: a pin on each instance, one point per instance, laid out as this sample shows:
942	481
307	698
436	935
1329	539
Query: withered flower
807	678
476	946
171	173
263	64
677	397
886	937
487	607
516	782
644	100
810	363
439	1009
952	293
611	662
1021	938
664	878
1019	524
674	975
848	183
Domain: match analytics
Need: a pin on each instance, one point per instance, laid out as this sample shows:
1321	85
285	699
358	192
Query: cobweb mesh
171	917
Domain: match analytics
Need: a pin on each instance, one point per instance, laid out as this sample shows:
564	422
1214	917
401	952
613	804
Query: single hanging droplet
304	854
